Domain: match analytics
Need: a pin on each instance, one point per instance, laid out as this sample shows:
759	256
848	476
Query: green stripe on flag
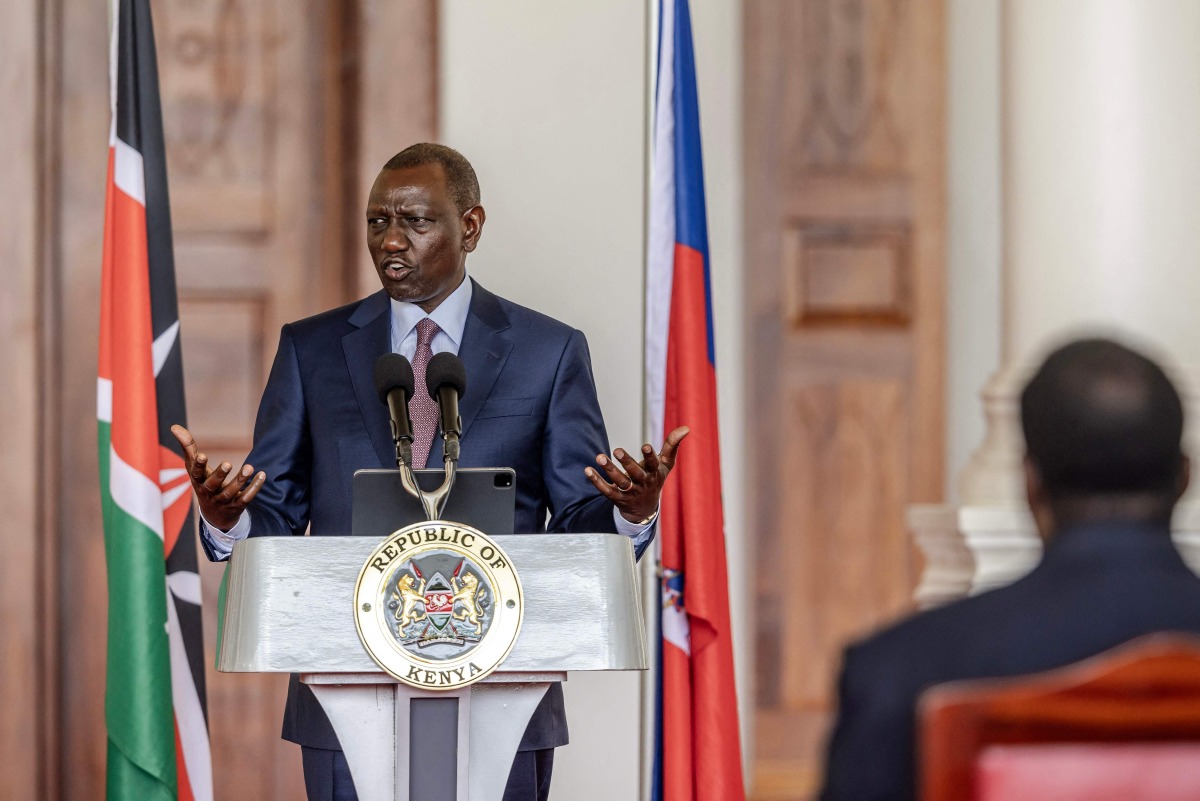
126	780
221	612
137	702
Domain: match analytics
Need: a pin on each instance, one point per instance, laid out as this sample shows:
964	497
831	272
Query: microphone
446	378
395	383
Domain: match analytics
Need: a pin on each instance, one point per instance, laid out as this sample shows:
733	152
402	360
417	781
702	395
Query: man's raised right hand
222	494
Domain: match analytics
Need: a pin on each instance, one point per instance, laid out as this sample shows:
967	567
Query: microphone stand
407	478
446	384
434	501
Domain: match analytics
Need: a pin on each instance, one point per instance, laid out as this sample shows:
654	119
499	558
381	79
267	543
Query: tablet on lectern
482	497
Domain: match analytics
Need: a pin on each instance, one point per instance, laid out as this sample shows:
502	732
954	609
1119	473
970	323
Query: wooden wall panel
218	70
23	542
264	129
225	371
844	241
854	275
78	225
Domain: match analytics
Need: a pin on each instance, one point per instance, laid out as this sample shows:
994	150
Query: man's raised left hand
635	487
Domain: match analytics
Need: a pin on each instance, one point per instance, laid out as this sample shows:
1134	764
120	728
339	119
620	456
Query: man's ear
1034	491
1039	503
1185	475
472	223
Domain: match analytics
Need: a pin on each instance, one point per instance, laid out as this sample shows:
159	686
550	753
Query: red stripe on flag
175	515
694	491
125	318
677	713
702	758
184	792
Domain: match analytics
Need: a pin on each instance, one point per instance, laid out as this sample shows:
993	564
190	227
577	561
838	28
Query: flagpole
649	567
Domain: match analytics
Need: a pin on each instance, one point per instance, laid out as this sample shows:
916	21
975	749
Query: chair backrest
1124	724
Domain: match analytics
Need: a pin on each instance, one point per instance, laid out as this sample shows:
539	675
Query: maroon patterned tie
422	407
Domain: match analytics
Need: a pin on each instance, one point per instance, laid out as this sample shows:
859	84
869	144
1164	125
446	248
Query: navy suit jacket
530	404
1097	586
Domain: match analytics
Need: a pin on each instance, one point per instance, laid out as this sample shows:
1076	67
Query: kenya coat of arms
438	605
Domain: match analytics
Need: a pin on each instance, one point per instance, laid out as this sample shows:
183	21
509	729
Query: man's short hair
460	175
1101	418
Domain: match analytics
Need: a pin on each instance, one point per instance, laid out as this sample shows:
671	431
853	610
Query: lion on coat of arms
412	601
465	591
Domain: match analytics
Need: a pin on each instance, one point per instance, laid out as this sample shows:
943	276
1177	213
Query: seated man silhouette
1104	469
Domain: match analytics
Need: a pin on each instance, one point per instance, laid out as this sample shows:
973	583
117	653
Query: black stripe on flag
139	125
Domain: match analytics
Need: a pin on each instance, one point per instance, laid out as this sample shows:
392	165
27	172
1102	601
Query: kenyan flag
154	701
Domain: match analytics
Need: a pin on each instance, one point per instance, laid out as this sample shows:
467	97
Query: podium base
405	744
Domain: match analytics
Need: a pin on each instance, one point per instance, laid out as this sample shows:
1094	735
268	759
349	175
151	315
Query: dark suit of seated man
530	404
1103	470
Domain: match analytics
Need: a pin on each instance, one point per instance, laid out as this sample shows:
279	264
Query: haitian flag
697	749
154	697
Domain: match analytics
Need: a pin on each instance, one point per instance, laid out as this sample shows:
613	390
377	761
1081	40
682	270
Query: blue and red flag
698	753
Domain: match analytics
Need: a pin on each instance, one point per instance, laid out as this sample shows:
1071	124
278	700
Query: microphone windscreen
393	371
446	369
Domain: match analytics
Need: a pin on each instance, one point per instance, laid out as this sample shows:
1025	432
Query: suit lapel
484	349
370	340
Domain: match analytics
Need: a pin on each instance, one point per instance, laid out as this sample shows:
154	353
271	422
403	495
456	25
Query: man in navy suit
530	404
1103	470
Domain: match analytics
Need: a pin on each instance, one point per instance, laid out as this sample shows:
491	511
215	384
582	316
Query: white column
1100	136
1102	183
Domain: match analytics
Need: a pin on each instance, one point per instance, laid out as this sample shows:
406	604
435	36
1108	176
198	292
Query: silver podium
289	609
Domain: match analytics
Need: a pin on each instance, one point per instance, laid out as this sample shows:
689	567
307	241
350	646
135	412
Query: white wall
548	100
974	236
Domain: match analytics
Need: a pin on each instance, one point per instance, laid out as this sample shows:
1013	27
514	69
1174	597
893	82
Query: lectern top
290	605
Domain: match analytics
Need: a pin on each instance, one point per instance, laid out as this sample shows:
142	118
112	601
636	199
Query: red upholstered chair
1122	725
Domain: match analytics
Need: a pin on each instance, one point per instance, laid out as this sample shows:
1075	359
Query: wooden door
844	221
267	137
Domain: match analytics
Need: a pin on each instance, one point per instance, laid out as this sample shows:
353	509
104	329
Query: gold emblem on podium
438	605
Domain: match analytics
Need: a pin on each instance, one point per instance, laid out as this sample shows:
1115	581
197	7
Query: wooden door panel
219	62
226	340
844	296
846	472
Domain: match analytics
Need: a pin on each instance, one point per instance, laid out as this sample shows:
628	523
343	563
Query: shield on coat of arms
439	601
